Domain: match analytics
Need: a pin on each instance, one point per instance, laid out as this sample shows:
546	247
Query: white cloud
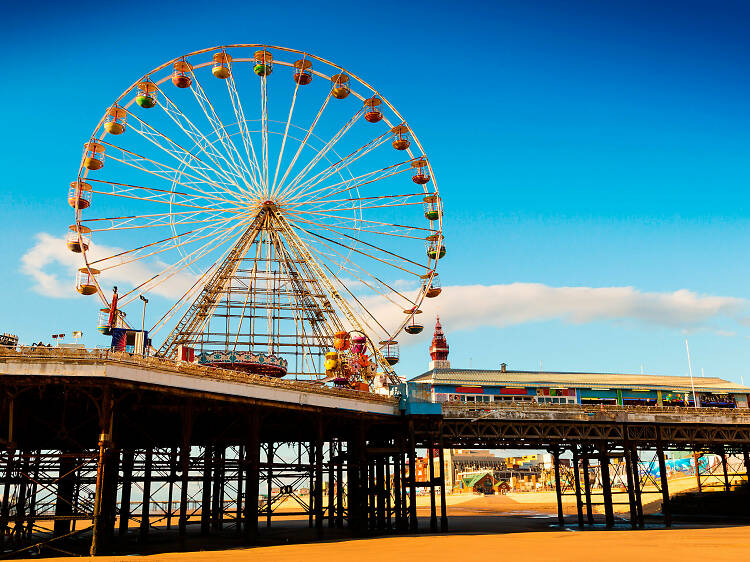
468	307
49	260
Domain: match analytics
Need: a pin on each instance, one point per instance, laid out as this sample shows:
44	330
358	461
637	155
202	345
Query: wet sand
512	527
716	544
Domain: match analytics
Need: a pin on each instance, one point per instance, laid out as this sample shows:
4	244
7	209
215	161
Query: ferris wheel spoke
283	140
356	199
367	273
170	273
363	253
173	175
308	134
350	184
238	164
357	229
346	161
356	299
149	245
324	151
126	226
163	196
200	140
182	154
183	263
120	222
137	257
264	133
350	203
247	139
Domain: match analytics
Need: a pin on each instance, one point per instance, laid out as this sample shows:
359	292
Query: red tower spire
439	349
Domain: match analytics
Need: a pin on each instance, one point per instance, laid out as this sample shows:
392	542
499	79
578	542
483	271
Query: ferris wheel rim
83	172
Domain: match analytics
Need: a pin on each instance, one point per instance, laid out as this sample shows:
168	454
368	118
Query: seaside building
446	384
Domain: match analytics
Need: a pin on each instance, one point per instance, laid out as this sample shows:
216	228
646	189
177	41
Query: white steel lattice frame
216	188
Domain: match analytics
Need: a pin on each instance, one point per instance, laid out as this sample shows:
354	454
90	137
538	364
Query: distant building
445	384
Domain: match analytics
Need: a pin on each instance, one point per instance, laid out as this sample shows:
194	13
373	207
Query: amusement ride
277	207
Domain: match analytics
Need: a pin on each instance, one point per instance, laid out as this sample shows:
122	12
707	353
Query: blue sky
587	144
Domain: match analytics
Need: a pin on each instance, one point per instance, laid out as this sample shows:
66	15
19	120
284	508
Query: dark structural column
252	473
146	505
387	491
241	472
311	479
397	488
109	492
331	484
172	478
99	530
558	487
697	458
724	468
443	507
665	507
631	487
587	486
65	485
184	469
637	480
33	497
433	508
413	524
8	477
380	490
206	491
353	483
319	477
269	482
23	482
127	483
217	503
362	492
402	462
609	515
746	454
340	487
577	483
371	493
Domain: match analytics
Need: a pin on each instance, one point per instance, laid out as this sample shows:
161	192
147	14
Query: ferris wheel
267	201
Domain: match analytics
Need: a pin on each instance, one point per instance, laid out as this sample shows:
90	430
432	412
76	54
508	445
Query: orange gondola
413	327
340	86
114	122
79	195
389	349
181	74
222	65
432	209
262	63
78	239
432	285
421	173
372	109
146	94
85	280
400	137
302	72
93	157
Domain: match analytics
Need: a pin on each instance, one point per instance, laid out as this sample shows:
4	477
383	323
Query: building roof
470	480
597	381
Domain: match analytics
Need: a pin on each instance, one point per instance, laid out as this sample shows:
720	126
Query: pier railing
523	409
107	356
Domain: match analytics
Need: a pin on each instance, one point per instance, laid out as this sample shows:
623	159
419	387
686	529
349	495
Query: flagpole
690	368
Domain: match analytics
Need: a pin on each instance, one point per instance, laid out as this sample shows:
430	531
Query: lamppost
143	322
